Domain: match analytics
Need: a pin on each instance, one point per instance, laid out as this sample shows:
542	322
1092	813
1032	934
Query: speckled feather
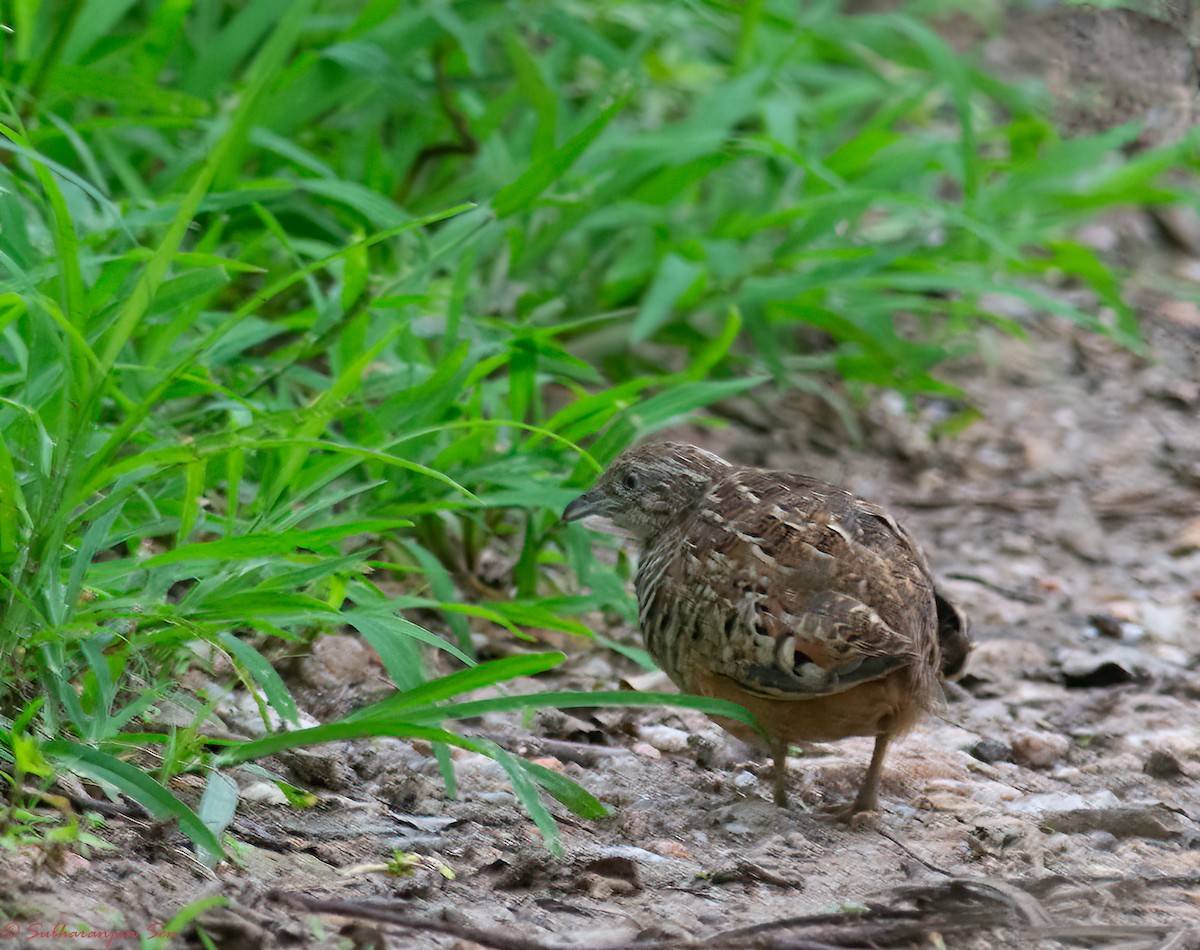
812	608
791	587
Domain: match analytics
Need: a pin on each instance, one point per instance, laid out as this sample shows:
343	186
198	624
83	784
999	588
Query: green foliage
305	306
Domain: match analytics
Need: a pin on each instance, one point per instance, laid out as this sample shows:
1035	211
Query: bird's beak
594	502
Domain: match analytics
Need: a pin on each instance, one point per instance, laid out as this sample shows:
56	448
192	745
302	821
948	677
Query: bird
808	606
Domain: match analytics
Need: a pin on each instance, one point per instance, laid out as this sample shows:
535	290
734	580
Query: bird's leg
867	800
868	793
779	750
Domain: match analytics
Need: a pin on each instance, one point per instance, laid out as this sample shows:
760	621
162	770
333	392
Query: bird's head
648	487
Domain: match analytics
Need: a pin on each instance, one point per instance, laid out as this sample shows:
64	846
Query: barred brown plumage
808	606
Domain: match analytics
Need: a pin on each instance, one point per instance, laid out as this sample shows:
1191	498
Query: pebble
664	738
744	779
73	863
266	792
1077	528
497	797
669	848
453	915
1102	840
477	769
952	786
337	661
1124	611
1121	821
645	750
991	750
996	658
1106	625
1162	764
1040	803
945	801
993	793
1039	750
629	852
1188	539
1183	745
1168	623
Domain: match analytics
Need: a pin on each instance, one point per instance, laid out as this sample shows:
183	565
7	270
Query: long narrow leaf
335	732
490	673
135	783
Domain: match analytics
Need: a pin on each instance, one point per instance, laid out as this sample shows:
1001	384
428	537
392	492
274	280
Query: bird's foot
855	814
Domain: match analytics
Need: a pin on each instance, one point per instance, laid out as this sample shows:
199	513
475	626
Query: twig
912	854
498	940
581	753
1022	900
959	905
1099	931
84	803
467	144
1010	592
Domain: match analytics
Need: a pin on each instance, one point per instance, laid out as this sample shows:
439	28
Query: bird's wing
799	588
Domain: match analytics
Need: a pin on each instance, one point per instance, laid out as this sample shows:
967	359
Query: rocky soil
1053	801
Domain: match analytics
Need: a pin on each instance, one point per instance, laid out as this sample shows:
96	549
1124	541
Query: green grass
306	306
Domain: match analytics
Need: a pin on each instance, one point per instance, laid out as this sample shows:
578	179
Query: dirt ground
1054	801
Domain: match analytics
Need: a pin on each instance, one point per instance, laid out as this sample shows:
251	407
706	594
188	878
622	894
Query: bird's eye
630	481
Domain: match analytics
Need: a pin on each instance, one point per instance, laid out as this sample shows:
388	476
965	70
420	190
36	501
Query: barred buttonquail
810	607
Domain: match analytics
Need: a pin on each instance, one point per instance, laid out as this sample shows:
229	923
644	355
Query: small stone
1188	270
1125	611
1004	657
453	915
663	932
1041	803
1121	821
1108	668
948	802
497	797
993	793
337	661
1162	764
1099	236
1111	666
664	738
73	863
1184	745
327	765
669	848
645	750
991	750
1183	313
1077	528
266	792
744	779
1106	625
1039	750
627	854
603	888
1168	623
1188	539
1102	840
